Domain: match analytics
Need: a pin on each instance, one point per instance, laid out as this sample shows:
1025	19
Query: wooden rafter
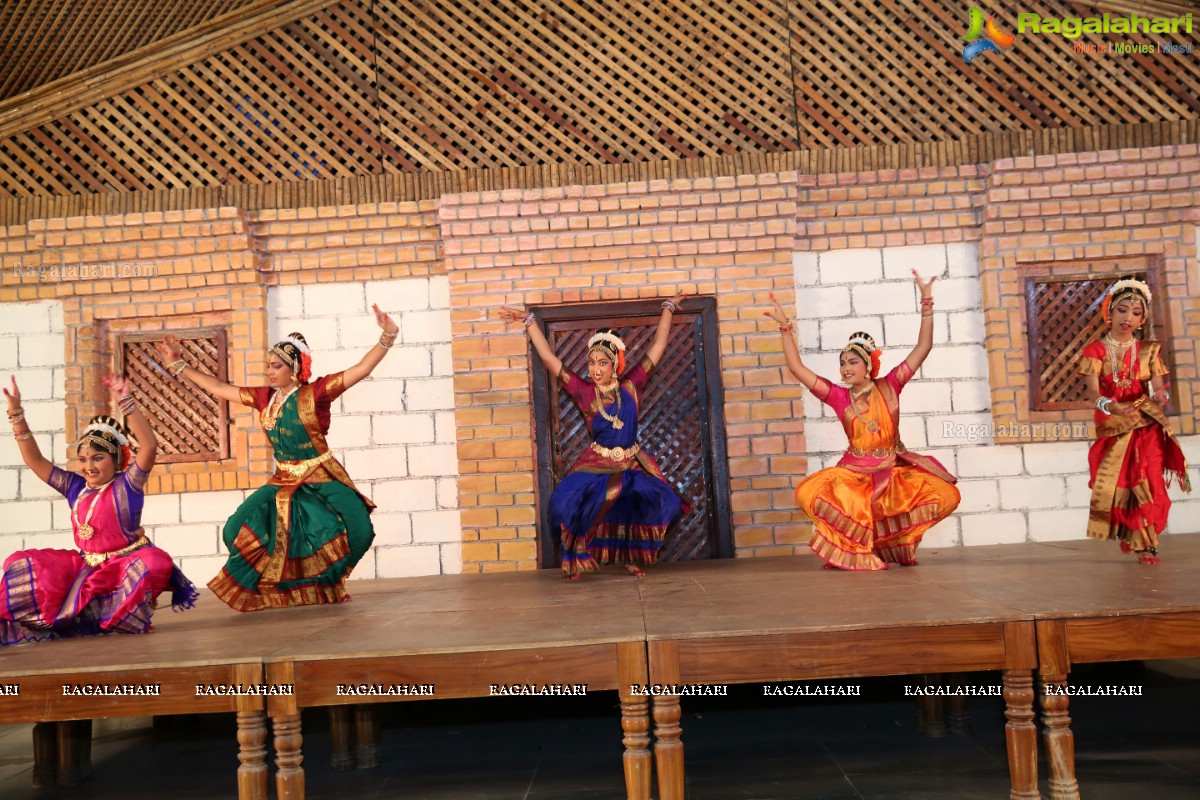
61	97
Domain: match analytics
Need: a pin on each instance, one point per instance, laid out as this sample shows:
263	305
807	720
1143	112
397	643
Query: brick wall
730	238
441	436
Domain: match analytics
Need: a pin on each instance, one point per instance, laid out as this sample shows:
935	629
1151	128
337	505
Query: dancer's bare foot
574	576
1149	556
636	572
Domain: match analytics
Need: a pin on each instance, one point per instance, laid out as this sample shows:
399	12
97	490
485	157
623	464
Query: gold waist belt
298	469
878	452
616	453
96	559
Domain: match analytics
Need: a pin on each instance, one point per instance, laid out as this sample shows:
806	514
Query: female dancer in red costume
873	507
1135	454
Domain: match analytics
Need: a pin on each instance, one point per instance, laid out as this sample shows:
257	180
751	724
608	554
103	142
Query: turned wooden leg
45	754
289	775
635	720
1060	742
252	753
668	747
74	752
1054	664
366	735
1020	734
931	709
341	732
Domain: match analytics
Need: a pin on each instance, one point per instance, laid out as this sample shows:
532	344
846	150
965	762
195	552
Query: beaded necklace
1121	378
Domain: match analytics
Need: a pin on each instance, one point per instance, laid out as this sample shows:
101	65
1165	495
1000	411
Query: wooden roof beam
59	98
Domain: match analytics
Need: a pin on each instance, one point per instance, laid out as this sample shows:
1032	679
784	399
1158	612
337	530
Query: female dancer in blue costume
615	506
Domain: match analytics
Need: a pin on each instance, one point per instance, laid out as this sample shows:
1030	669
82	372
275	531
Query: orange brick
479	551
518	551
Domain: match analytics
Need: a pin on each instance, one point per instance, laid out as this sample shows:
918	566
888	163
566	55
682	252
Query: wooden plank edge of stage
1023	626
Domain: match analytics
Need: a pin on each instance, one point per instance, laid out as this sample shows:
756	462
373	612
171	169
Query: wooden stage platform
1029	611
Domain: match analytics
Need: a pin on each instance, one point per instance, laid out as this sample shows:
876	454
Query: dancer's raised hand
776	311
512	314
926	287
385	321
169	349
118	385
13	395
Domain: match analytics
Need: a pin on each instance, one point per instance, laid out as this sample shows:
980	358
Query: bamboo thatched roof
203	94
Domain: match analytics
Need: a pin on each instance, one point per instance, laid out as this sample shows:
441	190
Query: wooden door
681	423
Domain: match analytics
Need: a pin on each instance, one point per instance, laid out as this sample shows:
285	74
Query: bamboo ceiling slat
50	39
472	95
52	100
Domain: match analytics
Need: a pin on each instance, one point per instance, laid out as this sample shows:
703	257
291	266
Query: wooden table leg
366	735
931	708
341	732
252	753
74	752
635	719
1054	665
668	747
958	709
285	715
45	754
252	736
1020	734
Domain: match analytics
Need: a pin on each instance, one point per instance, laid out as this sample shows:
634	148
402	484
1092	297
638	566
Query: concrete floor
742	746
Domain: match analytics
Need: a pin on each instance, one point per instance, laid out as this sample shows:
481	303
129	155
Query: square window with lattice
190	424
1064	317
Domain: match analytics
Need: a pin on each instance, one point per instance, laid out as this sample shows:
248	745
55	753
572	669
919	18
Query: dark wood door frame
697	320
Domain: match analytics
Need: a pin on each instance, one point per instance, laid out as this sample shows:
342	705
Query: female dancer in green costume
295	540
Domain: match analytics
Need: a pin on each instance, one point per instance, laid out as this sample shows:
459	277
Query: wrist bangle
386	339
926	301
175	367
669	305
20	437
529	319
786	328
1103	404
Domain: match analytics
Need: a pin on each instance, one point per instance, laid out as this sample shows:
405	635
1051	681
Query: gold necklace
84	529
271	415
617	424
871	425
1121	379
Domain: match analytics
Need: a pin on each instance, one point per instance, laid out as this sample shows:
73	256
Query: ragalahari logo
992	37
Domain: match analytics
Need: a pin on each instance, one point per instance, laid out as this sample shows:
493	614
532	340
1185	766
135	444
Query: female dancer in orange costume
873	507
1135	453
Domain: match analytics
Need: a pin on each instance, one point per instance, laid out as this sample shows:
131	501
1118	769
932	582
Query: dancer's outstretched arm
544	350
925	337
30	452
663	333
135	420
172	355
371	360
791	353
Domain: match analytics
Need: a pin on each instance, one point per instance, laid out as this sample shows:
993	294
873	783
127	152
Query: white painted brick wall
1011	493
400	417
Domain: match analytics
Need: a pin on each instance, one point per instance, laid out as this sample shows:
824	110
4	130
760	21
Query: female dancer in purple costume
110	583
615	506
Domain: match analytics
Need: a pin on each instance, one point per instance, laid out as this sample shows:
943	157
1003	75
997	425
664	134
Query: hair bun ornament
608	341
863	338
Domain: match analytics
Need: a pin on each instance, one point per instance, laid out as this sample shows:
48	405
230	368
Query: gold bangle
386	340
20	437
176	367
